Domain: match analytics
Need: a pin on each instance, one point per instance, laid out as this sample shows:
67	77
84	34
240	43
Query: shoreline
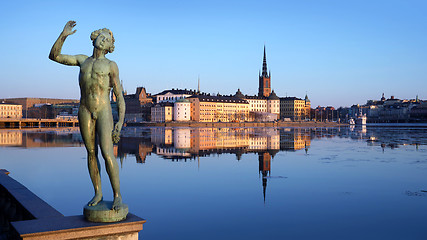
233	124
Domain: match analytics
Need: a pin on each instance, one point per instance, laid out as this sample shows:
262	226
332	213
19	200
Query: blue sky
339	52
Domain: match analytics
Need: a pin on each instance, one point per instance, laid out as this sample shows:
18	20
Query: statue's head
103	39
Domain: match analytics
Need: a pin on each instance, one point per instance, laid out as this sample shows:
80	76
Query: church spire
264	89
264	65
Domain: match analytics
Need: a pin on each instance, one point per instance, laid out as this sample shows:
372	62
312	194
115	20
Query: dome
183	100
239	94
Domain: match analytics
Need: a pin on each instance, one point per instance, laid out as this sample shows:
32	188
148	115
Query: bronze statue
97	76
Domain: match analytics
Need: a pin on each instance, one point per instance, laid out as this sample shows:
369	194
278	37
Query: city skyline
339	53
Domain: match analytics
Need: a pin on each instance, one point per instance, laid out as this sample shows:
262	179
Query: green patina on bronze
98	75
102	212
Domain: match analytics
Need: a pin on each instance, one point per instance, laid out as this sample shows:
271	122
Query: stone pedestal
77	227
102	212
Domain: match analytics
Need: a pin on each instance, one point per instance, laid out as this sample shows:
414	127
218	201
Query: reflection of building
162	136
10	110
67	137
182	138
265	169
292	139
138	147
10	138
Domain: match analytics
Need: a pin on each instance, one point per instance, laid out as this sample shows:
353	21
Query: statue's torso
94	81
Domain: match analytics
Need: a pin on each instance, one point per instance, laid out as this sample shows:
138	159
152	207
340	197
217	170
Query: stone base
102	212
77	227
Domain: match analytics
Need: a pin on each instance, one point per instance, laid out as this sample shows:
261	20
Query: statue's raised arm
55	52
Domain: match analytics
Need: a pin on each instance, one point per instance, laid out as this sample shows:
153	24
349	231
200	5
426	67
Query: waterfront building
419	112
173	95
31	106
138	105
296	109
10	111
182	110
328	113
181	107
206	108
388	110
162	112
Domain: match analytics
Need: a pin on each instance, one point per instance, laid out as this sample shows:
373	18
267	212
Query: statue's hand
116	133
68	29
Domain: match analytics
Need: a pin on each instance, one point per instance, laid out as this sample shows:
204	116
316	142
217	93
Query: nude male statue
97	76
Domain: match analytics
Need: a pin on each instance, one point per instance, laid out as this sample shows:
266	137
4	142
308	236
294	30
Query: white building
257	104
173	95
182	110
8	110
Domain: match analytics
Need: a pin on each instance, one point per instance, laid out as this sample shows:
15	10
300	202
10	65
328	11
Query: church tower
264	89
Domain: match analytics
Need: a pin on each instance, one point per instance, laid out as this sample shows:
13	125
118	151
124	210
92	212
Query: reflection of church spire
264	169
305	147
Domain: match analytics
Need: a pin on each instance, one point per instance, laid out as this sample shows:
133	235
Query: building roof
226	99
182	100
273	96
177	91
10	104
164	104
290	99
255	97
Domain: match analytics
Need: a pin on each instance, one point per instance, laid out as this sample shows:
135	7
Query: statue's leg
104	130
87	130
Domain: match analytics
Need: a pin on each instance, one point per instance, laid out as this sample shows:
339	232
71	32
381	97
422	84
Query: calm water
242	183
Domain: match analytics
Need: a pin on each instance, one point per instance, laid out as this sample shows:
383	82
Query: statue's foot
117	203
95	200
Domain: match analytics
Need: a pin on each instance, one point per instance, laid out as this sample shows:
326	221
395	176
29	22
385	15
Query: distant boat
351	121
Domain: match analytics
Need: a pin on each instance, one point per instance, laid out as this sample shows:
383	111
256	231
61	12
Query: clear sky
339	52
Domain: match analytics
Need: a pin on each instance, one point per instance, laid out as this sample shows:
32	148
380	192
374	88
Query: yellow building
218	109
162	112
10	110
296	109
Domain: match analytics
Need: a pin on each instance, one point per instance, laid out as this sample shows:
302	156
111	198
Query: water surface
242	183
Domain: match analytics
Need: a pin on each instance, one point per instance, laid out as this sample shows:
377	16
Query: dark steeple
264	65
264	89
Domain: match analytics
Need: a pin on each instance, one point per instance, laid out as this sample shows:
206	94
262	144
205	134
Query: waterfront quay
37	123
238	124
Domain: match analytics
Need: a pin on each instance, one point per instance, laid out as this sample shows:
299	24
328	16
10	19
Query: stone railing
23	215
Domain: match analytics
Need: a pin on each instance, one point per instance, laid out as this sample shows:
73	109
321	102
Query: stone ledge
27	199
76	227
